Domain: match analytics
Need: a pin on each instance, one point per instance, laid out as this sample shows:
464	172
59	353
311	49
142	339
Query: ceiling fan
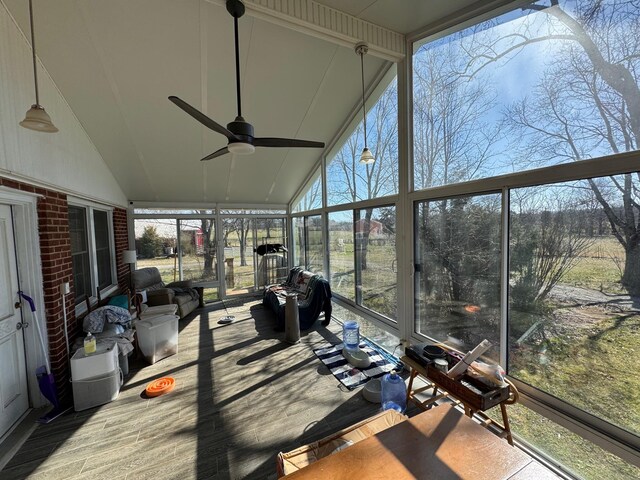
239	132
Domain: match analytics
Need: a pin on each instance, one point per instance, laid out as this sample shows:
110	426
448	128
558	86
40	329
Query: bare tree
452	143
586	104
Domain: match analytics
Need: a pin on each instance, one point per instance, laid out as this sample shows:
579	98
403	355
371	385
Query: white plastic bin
102	362
158	337
95	391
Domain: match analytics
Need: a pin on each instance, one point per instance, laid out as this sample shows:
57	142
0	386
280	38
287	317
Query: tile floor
242	395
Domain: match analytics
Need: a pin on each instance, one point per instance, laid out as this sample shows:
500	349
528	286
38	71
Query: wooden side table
460	397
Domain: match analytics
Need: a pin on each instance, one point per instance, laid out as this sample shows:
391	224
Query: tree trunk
631	277
364	241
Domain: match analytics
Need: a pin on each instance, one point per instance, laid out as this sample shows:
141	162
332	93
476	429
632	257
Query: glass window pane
312	198
103	248
574	261
79	253
315	246
198	249
584	459
376	259
299	244
341	259
273	265
458	271
347	179
156	242
537	86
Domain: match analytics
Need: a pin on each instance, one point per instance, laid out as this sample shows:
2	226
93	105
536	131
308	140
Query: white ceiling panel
117	61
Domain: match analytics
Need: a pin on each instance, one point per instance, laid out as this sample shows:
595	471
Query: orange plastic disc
160	386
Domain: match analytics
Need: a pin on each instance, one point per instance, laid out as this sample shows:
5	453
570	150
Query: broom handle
40	336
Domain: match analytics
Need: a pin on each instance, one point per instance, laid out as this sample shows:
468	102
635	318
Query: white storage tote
102	362
95	391
157	337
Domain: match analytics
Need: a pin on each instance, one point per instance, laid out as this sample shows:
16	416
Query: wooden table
439	444
417	369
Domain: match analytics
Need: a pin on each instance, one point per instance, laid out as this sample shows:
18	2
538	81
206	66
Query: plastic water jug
351	335
394	394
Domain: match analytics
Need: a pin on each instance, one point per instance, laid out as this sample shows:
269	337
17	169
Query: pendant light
36	118
366	157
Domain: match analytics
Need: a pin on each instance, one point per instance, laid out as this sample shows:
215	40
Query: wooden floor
241	396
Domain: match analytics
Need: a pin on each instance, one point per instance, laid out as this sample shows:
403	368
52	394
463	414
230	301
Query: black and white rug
350	376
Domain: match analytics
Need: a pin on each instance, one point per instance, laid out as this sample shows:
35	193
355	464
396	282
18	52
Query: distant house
375	227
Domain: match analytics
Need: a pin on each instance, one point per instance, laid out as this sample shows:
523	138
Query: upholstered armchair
180	293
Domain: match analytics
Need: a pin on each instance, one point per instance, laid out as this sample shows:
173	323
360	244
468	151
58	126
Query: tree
150	243
545	243
209	245
452	141
586	104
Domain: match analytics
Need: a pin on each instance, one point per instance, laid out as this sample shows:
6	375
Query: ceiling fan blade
285	142
217	153
202	118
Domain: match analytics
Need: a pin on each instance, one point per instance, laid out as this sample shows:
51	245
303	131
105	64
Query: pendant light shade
366	157
36	119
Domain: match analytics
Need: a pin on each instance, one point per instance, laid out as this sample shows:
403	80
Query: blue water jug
351	335
394	394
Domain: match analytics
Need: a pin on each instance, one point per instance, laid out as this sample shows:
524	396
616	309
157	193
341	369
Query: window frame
89	209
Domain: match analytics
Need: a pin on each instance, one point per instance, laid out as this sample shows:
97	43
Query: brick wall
55	250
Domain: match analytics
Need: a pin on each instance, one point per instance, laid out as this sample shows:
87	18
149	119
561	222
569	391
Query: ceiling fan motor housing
241	129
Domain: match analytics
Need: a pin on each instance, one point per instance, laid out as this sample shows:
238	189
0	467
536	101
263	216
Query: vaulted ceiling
117	61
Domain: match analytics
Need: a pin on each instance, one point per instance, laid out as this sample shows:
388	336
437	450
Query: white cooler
104	361
157	337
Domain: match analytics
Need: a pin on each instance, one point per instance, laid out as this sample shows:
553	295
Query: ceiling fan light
241	148
367	156
37	119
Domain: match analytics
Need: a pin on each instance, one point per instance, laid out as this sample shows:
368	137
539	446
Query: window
341	256
315	245
299	243
574	274
538	86
80	253
348	180
375	245
312	198
92	256
458	271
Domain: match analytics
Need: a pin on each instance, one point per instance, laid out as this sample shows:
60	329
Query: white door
14	400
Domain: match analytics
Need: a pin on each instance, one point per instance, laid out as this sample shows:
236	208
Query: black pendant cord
235	27
33	52
364	110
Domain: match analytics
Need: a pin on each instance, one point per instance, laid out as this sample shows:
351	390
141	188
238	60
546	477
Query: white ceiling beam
312	18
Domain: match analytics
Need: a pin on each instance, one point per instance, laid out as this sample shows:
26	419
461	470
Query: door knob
21	325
